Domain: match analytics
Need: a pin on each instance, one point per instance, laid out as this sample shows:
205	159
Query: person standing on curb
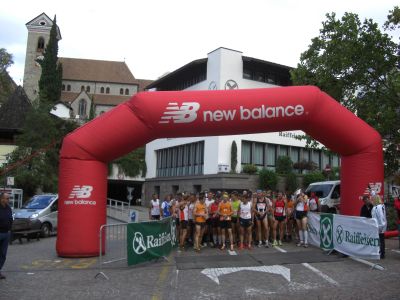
378	212
6	220
154	209
367	207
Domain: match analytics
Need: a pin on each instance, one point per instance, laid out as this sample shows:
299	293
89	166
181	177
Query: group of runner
212	219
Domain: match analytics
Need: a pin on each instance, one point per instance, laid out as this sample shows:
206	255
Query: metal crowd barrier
113	247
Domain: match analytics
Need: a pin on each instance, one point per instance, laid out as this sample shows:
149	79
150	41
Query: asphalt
34	271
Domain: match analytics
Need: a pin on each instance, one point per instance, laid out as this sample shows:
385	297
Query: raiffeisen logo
186	113
79	194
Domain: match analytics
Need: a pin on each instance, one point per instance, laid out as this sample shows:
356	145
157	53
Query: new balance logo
185	113
80	192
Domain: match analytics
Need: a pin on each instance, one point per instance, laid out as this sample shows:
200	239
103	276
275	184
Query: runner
235	220
213	219
191	228
207	237
225	213
301	219
200	214
290	220
260	209
166	207
183	220
279	207
314	203
245	218
154	209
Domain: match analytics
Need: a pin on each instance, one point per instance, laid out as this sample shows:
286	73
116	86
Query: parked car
328	193
43	208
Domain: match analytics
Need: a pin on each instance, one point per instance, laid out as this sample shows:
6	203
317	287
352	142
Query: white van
328	193
43	208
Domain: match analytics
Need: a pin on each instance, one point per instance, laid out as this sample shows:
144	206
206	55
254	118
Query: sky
158	36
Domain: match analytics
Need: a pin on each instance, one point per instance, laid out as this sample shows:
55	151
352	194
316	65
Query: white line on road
324	276
232	252
280	249
397	251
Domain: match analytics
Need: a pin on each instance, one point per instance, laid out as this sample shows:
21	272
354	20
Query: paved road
35	272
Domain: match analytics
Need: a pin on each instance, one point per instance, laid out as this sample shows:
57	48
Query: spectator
366	208
5	228
397	207
378	212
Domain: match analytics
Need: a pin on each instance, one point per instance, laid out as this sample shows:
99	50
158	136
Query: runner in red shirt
279	207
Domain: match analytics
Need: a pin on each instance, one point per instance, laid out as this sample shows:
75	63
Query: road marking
214	273
157	294
324	276
368	263
397	251
280	249
232	252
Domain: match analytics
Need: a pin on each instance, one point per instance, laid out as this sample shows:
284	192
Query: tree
6	61
357	64
51	78
233	157
132	164
267	179
284	165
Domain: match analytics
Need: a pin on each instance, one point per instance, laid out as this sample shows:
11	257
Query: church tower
38	37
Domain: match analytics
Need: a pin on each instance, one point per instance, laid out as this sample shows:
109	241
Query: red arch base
152	115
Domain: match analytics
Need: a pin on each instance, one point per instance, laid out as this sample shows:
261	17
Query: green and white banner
150	240
353	236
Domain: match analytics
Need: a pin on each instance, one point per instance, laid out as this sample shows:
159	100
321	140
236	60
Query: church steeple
38	37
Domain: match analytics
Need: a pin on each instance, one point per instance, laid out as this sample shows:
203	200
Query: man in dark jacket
5	228
367	207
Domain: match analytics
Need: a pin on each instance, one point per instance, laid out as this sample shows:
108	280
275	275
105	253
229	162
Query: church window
63	87
88	89
107	90
68	87
40	44
82	88
121	91
126	91
102	90
82	108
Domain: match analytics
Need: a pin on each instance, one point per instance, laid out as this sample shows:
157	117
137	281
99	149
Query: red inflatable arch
151	115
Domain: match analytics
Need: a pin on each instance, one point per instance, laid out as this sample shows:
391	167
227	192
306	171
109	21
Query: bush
284	165
268	179
250	169
313	177
291	182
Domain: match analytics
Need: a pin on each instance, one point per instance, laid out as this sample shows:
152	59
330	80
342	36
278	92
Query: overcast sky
159	36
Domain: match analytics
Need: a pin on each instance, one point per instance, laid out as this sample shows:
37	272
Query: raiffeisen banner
150	240
353	236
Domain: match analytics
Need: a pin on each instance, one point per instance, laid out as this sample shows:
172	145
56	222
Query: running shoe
275	243
259	244
299	244
280	243
223	247
266	244
305	245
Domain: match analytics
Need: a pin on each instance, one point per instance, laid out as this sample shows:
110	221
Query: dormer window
40	44
42	23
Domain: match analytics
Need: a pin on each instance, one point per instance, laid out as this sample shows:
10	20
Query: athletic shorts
155	217
201	224
214	222
183	224
245	222
260	218
209	221
177	222
225	224
234	220
301	214
280	218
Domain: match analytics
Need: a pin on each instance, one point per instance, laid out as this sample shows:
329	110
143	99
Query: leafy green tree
284	165
51	78
132	164
250	169
267	179
233	157
313	177
357	64
291	182
6	60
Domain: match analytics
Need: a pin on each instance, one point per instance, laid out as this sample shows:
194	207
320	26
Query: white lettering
299	110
